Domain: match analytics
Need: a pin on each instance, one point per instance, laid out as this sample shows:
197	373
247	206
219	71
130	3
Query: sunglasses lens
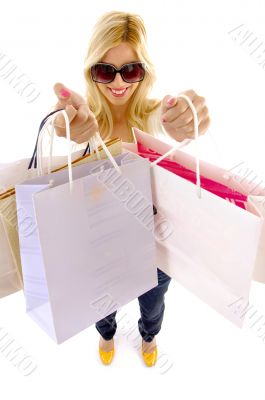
103	73
133	73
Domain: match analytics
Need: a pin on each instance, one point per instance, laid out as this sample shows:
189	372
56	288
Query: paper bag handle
33	160
49	121
108	153
196	131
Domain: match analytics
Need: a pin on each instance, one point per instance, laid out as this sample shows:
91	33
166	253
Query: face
118	56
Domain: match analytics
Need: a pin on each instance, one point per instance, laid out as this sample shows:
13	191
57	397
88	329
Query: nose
118	81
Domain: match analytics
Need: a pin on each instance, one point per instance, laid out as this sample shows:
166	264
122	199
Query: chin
117	101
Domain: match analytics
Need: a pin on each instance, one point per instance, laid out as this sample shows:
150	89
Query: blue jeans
152	307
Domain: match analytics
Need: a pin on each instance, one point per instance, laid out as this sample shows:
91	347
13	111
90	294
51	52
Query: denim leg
152	307
107	326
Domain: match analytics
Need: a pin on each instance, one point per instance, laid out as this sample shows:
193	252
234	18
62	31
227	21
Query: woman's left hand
177	117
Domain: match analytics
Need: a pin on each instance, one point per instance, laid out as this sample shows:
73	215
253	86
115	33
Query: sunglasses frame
120	70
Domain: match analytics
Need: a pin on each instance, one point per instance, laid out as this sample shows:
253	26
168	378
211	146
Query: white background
192	48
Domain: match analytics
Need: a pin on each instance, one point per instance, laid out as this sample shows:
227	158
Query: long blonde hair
112	29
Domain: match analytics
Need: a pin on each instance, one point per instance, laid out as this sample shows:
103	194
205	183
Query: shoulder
152	105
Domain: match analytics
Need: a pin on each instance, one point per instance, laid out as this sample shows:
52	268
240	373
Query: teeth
118	91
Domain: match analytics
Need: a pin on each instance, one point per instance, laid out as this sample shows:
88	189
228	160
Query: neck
118	113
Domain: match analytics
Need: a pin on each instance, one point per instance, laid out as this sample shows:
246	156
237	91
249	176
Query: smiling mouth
118	92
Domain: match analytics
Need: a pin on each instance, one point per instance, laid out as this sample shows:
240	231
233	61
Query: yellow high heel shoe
149	358
106	356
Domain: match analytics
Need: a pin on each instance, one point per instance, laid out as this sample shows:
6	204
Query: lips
118	92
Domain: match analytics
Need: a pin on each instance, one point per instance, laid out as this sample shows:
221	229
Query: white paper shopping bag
210	245
10	262
256	194
90	243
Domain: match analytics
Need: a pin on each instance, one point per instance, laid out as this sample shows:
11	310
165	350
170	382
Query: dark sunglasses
130	73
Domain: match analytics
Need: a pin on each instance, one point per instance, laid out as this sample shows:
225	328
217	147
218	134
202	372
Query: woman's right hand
83	122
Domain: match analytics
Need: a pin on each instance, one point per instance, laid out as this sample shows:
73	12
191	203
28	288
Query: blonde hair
112	29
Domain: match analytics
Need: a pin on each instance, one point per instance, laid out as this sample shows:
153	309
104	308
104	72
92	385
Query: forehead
119	55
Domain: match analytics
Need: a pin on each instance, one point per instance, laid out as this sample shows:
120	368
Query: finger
63	95
67	96
179	108
168	102
181	104
188	129
86	134
85	131
84	114
59	121
77	118
202	116
83	120
203	126
83	138
185	117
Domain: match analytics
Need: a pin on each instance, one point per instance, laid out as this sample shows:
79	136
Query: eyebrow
129	62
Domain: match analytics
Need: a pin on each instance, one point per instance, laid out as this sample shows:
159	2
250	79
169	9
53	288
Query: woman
119	76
